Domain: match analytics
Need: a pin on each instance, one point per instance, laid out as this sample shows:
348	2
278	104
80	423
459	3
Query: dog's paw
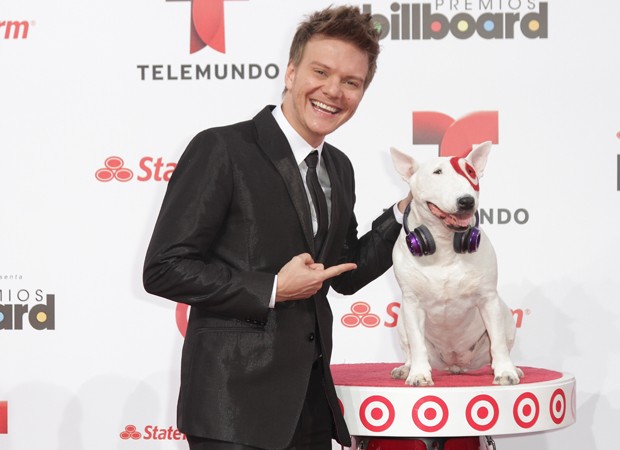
508	377
400	373
419	379
420	376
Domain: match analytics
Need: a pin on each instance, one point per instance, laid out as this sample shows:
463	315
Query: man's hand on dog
301	277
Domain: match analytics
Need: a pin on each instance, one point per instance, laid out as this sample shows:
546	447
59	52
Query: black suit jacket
234	213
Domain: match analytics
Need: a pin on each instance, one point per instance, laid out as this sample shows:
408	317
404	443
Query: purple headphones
420	241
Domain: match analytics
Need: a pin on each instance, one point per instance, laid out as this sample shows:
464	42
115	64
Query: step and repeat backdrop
98	100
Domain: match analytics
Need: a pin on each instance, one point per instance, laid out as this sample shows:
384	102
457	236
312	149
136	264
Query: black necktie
318	199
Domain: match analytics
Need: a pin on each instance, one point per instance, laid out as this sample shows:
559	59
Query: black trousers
314	429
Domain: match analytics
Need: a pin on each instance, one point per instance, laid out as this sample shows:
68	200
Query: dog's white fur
451	315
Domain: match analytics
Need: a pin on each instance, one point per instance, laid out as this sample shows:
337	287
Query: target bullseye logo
114	170
526	410
557	406
377	413
466	170
360	314
482	412
430	413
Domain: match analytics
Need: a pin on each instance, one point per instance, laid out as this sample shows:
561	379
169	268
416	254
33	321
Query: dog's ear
405	165
478	157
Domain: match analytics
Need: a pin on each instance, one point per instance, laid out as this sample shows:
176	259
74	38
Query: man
236	240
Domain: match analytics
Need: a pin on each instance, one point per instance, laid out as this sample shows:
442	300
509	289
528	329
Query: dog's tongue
451	220
459	221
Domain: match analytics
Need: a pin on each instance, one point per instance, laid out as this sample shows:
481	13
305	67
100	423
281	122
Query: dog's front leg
417	370
504	371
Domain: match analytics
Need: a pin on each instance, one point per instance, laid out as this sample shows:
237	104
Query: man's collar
300	147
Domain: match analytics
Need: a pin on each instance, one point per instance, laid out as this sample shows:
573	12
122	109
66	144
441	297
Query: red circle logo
465	169
131	432
557	406
430	413
377	413
114	170
360	314
526	410
482	412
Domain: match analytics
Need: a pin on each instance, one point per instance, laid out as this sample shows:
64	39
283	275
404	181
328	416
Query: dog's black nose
466	203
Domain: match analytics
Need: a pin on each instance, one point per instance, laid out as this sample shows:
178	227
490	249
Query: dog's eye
438	172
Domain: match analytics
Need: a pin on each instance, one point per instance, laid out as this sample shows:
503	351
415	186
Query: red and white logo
454	137
131	432
526	410
4	417
207	25
149	169
152	433
377	413
113	170
466	170
482	412
430	413
360	314
557	406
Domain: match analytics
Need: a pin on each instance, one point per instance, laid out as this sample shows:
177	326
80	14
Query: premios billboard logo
488	19
22	309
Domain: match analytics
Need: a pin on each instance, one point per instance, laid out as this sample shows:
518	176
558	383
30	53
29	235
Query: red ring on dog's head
465	169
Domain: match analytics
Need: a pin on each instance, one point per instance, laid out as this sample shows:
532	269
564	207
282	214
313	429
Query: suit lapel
273	142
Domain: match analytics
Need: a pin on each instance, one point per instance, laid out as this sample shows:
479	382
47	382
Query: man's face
325	88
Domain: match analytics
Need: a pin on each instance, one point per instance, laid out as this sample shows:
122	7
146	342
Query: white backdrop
88	360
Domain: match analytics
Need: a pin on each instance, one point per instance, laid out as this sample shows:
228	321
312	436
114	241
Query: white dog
452	317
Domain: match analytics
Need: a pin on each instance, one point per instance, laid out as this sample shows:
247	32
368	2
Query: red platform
468	404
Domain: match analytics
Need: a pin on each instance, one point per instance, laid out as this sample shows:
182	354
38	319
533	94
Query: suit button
311	337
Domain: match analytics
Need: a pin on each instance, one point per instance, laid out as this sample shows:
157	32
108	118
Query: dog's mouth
455	222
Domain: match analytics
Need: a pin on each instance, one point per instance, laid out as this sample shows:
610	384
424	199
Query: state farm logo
151	433
114	170
149	169
207	25
4	417
131	432
360	315
15	29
